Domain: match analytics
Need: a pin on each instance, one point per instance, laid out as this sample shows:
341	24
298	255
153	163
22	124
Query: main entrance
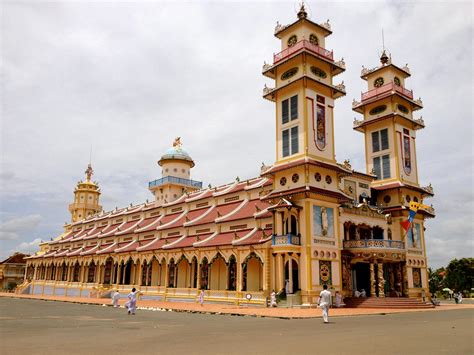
361	277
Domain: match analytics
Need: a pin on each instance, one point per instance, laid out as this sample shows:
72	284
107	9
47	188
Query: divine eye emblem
283	181
328	179
313	39
295	178
292	40
289	73
378	82
318	72
396	81
317	177
378	109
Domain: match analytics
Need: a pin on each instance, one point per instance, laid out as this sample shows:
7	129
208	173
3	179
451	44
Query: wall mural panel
323	221
417	278
325	272
320	124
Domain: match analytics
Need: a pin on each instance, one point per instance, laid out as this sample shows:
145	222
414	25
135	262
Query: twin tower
304	95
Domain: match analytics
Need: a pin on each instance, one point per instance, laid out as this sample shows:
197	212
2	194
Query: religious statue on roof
177	143
89	172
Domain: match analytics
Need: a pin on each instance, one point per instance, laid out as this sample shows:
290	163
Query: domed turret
86	198
176	165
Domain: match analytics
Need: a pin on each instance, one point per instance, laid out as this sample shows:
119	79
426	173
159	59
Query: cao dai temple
303	222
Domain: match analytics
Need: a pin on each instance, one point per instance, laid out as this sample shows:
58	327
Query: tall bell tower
304	92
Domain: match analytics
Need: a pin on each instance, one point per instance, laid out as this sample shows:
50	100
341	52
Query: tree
436	279
460	274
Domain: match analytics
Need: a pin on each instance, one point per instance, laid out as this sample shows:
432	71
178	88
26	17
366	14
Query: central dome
176	153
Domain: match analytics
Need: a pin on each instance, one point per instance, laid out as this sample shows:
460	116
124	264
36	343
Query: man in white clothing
324	302
115	299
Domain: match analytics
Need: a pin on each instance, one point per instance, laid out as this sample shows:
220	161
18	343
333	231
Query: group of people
360	293
131	304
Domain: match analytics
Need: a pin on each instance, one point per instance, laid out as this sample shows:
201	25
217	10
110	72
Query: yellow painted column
381	280
290	273
372	280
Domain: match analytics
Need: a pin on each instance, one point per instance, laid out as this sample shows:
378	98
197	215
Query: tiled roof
248	210
225	238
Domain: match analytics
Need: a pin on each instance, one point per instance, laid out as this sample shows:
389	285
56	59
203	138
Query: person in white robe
115	299
131	304
338	299
273	299
324	302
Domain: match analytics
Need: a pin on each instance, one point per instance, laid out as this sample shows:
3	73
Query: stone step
385	302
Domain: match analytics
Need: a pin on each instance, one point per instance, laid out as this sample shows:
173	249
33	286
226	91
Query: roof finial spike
302	14
383	41
384	57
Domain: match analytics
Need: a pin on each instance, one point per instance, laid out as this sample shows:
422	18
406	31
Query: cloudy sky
127	77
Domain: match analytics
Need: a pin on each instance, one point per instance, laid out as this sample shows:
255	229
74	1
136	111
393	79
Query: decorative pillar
266	272
381	280
405	280
372	280
281	272
140	275
35	272
290	274
119	274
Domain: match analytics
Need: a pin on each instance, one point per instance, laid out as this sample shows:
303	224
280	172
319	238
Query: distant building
305	221
12	271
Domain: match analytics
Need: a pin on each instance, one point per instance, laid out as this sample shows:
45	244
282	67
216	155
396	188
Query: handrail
176	180
286	239
306	45
386	88
374	243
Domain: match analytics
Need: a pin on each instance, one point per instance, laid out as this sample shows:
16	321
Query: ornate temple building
303	222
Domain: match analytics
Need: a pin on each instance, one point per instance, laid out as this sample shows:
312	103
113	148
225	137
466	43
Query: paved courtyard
40	327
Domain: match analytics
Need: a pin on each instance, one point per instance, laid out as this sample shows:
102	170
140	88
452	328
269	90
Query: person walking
201	297
132	301
324	302
115	299
273	299
338	299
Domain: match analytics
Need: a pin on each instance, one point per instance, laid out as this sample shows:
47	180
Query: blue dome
176	153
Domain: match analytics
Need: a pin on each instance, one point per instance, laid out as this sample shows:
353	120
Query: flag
411	216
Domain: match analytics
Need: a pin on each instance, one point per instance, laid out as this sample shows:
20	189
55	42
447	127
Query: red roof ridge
109	233
148	244
211	208
131	227
90	250
212	236
107	249
126	246
248	235
197	197
164	226
244	202
167	246
228	187
158	218
261	182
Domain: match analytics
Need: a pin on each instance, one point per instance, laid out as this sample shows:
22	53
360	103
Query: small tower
86	198
304	92
175	181
389	125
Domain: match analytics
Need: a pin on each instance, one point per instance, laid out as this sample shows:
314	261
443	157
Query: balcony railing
286	239
373	243
175	180
387	88
303	44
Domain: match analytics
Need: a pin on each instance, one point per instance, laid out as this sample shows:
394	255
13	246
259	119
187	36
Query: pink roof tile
110	230
90	250
187	241
107	248
128	227
258	236
219	211
246	211
225	238
131	246
148	224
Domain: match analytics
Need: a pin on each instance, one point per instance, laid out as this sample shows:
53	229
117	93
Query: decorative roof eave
358	106
307	191
261	182
131	228
364	176
226	190
337	90
283	203
112	232
337	68
281	29
366	72
359	125
118	250
164	226
281	167
425	191
108	249
198	218
90	251
247	236
231	213
171	245
212	236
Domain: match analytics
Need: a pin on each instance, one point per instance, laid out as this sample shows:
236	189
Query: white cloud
28	247
13	228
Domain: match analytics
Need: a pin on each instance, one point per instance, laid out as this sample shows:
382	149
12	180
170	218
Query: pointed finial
384	58
302	14
89	172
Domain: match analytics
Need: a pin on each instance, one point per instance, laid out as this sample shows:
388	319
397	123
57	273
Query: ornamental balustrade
176	180
387	88
303	44
373	243
286	239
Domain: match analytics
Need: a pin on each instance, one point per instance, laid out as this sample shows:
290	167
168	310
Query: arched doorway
182	273
252	273
218	274
204	277
171	274
127	272
108	271
294	280
194	272
232	274
76	272
64	272
91	272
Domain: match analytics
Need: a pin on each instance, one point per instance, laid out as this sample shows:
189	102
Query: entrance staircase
386	302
